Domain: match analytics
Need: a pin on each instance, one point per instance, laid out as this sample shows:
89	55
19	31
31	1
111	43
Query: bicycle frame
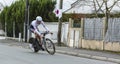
44	42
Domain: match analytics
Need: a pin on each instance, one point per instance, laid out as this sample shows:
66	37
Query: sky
66	4
6	2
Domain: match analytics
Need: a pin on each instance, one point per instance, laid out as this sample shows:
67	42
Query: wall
53	27
91	34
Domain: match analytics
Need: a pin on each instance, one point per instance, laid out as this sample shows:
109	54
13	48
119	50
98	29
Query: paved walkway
99	55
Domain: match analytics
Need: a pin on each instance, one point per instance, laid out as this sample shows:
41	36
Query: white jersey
35	25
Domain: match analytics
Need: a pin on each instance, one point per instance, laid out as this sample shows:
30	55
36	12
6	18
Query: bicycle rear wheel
49	46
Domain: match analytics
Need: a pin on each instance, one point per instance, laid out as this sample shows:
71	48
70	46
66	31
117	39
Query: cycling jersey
34	25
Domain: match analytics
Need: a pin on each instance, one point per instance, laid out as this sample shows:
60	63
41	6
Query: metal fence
94	28
113	32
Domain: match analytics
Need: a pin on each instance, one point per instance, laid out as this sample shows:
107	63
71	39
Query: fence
113	32
93	29
91	34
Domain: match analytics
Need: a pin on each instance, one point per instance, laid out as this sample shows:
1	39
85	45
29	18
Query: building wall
87	7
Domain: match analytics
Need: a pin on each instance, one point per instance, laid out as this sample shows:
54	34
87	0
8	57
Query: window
76	23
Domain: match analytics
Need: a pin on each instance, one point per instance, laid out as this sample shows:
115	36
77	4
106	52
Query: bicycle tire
47	49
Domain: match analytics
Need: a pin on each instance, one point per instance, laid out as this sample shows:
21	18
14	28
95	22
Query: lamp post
60	26
26	19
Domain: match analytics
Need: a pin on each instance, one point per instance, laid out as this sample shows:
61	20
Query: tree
107	10
105	7
99	6
43	8
15	13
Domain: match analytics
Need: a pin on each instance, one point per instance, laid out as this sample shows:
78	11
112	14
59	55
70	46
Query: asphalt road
18	55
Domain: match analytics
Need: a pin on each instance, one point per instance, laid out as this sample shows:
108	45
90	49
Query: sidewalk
99	55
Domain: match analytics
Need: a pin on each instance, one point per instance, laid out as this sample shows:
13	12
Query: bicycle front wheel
49	46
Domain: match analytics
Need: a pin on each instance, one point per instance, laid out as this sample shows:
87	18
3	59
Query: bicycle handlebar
45	33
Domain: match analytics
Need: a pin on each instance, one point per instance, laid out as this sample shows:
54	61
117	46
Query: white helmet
39	18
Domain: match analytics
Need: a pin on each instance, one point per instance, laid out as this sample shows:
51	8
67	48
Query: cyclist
34	29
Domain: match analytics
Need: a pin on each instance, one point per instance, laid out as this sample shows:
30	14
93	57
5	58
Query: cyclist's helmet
39	18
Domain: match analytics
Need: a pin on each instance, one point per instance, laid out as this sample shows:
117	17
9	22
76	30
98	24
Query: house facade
90	6
91	32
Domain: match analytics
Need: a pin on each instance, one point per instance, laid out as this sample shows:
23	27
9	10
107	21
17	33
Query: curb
89	56
11	38
16	39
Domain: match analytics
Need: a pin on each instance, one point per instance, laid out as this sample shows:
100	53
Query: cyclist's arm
36	30
44	26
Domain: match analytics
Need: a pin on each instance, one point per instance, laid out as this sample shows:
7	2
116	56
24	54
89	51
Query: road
18	55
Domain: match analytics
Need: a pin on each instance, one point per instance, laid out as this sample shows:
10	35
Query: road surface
18	55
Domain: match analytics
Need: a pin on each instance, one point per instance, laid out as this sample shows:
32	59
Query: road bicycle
47	44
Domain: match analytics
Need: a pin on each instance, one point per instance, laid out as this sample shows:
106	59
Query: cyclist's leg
39	36
31	45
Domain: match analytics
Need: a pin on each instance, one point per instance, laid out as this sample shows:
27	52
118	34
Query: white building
89	6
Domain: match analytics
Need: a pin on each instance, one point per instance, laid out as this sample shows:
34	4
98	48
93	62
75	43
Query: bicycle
47	44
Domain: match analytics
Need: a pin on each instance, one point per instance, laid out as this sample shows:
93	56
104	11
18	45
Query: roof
87	7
